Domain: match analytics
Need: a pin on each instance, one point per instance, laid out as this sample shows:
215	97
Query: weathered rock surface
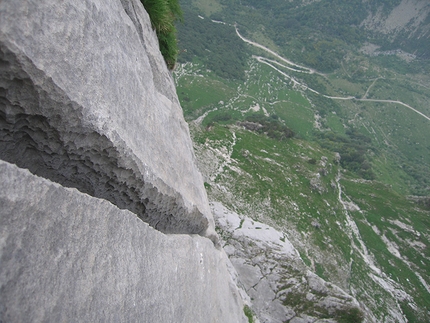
87	101
68	257
271	271
90	116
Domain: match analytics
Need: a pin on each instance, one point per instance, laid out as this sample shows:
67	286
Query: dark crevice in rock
42	130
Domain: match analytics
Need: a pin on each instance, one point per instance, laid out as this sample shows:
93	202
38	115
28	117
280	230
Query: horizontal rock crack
42	130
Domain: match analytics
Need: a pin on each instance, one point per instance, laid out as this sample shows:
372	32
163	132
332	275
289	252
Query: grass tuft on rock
163	15
248	313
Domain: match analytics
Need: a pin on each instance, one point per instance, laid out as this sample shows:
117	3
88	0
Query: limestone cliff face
88	102
90	124
69	257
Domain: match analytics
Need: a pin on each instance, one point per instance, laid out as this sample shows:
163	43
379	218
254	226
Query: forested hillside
214	44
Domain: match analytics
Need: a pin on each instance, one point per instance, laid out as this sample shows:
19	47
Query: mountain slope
340	188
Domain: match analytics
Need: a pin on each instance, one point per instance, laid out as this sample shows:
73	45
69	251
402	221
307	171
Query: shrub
312	161
248	313
271	126
350	315
163	14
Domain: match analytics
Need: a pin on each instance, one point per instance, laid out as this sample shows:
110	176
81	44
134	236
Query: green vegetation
204	95
248	313
322	31
217	45
300	304
350	315
268	125
353	149
163	15
360	203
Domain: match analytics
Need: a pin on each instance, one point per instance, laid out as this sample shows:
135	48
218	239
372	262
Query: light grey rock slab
270	308
87	101
250	275
68	257
276	313
280	285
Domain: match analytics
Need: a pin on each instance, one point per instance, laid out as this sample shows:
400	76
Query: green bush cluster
163	15
271	126
222	117
353	149
248	313
350	315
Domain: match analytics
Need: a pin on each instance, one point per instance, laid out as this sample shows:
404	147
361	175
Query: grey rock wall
68	257
271	271
103	213
87	101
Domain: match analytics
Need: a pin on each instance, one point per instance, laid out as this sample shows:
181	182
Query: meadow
351	218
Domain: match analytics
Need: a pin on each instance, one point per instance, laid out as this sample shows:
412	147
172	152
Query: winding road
303	69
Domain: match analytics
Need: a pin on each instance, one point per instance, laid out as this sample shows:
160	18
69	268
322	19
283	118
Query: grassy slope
271	180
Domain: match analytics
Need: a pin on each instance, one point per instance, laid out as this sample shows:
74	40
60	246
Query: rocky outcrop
272	273
68	257
88	102
92	142
408	16
405	24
